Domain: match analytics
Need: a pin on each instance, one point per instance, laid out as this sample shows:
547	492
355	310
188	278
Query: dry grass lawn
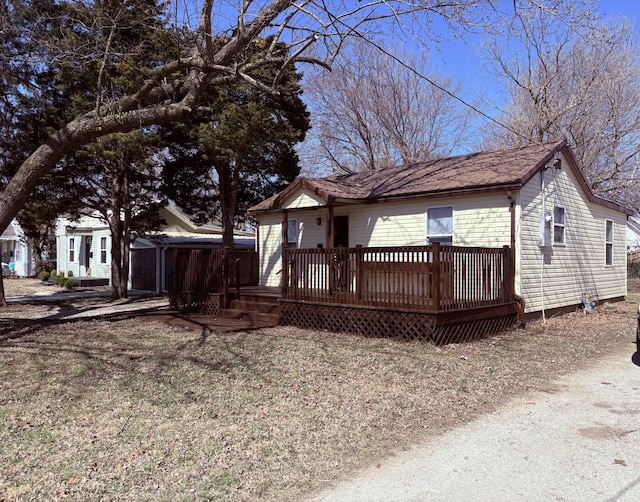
110	407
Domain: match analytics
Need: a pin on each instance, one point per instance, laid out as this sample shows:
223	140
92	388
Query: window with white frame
440	225
292	233
559	225
609	242
103	250
72	249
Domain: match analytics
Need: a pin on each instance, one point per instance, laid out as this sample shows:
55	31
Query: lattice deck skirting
195	303
399	324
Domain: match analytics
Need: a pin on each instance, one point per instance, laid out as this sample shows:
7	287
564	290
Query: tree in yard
374	111
117	178
239	153
583	85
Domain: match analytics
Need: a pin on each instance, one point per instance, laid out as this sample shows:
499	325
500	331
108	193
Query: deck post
509	274
359	273
226	277
285	272
437	285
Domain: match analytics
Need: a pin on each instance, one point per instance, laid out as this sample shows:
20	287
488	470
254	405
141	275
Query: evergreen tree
241	152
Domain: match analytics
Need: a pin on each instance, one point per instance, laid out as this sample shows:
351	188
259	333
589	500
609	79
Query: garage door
143	269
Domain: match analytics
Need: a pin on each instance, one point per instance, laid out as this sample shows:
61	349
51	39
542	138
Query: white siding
62	252
102	270
79	267
558	275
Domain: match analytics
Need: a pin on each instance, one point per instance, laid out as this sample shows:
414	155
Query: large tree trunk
227	174
119	247
3	300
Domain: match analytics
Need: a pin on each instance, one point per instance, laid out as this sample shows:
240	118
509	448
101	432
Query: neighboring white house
16	251
536	199
84	247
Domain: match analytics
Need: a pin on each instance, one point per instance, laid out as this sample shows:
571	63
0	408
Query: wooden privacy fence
429	278
199	273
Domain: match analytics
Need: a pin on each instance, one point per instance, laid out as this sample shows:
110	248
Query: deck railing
432	278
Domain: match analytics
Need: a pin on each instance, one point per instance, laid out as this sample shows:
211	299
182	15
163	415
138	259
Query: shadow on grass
111	346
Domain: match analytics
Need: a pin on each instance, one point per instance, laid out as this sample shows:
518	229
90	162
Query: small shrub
52	275
60	279
69	283
70	273
43	276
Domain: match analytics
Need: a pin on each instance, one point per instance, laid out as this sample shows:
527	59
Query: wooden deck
441	294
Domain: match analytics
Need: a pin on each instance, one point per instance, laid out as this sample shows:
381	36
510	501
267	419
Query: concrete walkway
578	441
54	294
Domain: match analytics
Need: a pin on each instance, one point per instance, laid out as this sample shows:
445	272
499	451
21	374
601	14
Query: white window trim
103	249
608	243
563	225
72	249
426	223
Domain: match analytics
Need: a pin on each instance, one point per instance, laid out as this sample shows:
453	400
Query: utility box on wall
545	229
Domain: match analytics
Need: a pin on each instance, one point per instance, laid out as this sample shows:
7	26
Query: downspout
512	210
285	240
544	320
330	228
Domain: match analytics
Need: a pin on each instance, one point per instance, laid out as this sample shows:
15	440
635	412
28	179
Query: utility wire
443	89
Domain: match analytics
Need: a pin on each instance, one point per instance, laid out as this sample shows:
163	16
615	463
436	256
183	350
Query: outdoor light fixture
557	163
318	221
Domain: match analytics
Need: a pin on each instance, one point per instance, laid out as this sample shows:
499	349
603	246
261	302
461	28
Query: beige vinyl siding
172	219
270	245
388	224
558	275
310	234
302	198
482	220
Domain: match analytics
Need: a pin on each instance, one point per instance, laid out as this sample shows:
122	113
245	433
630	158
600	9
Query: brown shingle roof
481	171
471	171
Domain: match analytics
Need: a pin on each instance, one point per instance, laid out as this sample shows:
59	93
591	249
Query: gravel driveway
577	440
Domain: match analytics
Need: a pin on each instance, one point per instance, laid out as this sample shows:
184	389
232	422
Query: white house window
72	249
559	222
103	250
609	242
440	225
18	252
292	233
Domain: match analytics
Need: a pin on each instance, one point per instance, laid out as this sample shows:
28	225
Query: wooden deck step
253	308
256	306
266	318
